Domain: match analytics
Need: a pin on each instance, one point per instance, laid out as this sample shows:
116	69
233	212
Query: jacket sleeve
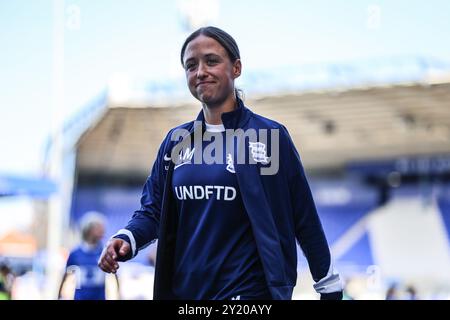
142	229
308	228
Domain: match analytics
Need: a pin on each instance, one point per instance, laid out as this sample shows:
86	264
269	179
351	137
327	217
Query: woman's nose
201	71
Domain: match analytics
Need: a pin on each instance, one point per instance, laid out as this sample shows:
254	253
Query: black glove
130	253
331	296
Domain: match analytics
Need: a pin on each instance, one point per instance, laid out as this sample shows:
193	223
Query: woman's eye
190	66
212	62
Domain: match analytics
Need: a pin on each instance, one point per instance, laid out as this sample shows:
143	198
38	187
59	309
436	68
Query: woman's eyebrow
211	55
208	55
189	60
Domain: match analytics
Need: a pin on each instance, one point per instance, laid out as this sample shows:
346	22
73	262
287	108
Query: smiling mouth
203	83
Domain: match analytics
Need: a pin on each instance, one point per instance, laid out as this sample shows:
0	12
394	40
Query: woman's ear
237	68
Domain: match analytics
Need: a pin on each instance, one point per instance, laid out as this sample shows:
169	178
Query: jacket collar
235	119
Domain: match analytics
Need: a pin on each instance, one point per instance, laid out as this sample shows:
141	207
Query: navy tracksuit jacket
280	208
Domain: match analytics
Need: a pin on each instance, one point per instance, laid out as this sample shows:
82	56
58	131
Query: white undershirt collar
214	127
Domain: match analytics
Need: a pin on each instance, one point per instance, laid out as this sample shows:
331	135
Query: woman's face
210	73
96	233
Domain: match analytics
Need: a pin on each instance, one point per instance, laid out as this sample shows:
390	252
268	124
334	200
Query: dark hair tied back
220	36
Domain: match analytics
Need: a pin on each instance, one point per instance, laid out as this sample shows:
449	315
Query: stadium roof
33	187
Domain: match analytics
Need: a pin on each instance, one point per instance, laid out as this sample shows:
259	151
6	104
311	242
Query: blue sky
143	37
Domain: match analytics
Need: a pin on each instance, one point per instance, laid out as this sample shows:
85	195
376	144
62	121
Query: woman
90	282
226	228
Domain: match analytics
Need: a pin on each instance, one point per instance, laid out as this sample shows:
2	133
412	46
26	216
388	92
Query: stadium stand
374	139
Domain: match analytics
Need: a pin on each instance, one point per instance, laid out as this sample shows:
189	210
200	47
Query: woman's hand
114	250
